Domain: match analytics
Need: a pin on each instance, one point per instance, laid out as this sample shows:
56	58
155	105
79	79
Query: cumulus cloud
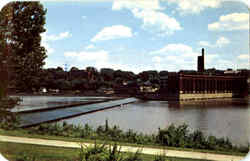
197	6
157	21
113	32
175	49
131	4
205	44
157	59
49	49
100	59
60	36
220	42
149	11
50	63
46	38
230	22
99	56
194	6
175	56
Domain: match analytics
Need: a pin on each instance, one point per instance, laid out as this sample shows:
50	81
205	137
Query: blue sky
139	35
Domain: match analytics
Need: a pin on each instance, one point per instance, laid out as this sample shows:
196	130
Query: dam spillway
35	118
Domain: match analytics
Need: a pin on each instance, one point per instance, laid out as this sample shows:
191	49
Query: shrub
8	119
173	136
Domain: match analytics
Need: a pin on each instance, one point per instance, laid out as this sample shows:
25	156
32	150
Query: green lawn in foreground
23	133
44	153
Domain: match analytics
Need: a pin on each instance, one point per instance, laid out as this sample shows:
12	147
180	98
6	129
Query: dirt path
152	151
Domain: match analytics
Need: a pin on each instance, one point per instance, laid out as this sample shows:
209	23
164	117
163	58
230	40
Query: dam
32	118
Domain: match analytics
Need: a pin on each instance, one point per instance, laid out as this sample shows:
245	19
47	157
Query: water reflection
222	118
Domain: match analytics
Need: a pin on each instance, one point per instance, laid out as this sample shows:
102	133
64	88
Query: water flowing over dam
37	117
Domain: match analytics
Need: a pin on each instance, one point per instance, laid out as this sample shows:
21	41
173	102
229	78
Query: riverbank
130	138
142	150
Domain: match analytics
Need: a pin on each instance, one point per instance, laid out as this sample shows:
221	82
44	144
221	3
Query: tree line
92	79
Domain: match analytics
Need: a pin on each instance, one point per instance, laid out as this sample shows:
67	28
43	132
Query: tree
25	22
3	57
92	73
107	74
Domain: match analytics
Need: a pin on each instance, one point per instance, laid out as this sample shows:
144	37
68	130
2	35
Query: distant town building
203	84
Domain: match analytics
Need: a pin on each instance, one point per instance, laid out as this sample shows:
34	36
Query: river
222	118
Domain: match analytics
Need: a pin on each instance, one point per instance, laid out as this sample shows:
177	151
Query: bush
104	153
25	157
8	119
173	136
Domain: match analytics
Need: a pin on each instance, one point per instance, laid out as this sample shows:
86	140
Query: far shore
70	94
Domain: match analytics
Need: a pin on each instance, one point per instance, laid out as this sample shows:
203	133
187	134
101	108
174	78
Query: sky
140	35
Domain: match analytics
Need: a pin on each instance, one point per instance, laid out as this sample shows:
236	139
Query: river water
221	118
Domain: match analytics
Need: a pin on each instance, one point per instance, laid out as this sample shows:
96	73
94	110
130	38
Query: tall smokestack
200	62
203	59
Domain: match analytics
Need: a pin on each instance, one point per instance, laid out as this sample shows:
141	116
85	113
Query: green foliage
8	119
25	157
160	157
172	136
103	152
26	22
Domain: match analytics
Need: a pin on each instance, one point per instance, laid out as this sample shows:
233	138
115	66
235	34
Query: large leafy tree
3	55
25	23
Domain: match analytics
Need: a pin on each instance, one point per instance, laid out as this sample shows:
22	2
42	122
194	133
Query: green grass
24	133
13	150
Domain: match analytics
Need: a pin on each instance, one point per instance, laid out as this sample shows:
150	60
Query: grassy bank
18	152
172	136
175	138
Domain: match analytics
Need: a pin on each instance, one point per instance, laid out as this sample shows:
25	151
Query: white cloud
243	57
91	46
99	56
157	59
50	63
194	6
210	58
220	42
175	56
131	4
47	38
157	21
113	32
175	49
99	59
149	12
205	44
234	21
60	36
49	49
